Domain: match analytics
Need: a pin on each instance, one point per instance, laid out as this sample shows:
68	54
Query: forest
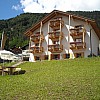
15	27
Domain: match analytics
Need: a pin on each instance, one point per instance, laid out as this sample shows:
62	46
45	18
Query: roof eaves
55	12
96	29
43	20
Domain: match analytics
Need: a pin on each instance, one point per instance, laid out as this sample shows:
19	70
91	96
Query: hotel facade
61	35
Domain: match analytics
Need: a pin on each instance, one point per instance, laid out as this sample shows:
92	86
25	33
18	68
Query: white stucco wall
95	42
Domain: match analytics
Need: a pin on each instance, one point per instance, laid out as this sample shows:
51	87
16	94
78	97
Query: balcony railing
37	37
55	35
37	49
77	32
55	48
77	45
55	24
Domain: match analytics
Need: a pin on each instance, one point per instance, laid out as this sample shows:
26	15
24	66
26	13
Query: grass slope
77	79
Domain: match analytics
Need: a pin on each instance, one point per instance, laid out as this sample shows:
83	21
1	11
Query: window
37	58
37	44
46	57
56	42
78	55
67	55
78	40
56	56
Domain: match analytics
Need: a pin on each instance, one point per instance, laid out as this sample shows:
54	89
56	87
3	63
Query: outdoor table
11	69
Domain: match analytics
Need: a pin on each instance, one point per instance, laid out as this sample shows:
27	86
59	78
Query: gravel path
17	64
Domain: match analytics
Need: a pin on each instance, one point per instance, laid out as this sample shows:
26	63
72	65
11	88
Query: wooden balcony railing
37	49
55	48
77	32
55	35
37	37
77	45
55	24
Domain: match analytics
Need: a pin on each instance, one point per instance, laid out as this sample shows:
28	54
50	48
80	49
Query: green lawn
77	79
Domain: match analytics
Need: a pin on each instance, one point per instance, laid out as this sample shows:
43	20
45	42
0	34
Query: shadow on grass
19	72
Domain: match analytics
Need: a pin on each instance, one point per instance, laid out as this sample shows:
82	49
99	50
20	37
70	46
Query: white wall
95	43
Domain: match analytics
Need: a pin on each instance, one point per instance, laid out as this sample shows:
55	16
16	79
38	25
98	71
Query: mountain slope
15	27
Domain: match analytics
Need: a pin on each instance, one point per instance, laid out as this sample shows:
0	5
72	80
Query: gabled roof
55	13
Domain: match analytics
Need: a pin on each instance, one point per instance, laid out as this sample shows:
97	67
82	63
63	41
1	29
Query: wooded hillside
15	27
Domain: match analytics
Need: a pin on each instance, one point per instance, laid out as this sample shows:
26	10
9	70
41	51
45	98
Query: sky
12	8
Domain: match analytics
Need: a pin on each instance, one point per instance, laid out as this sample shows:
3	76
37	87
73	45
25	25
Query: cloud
17	7
42	6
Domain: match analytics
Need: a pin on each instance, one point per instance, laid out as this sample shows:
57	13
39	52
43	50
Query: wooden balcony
37	37
37	49
56	48
55	35
77	45
77	32
55	24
